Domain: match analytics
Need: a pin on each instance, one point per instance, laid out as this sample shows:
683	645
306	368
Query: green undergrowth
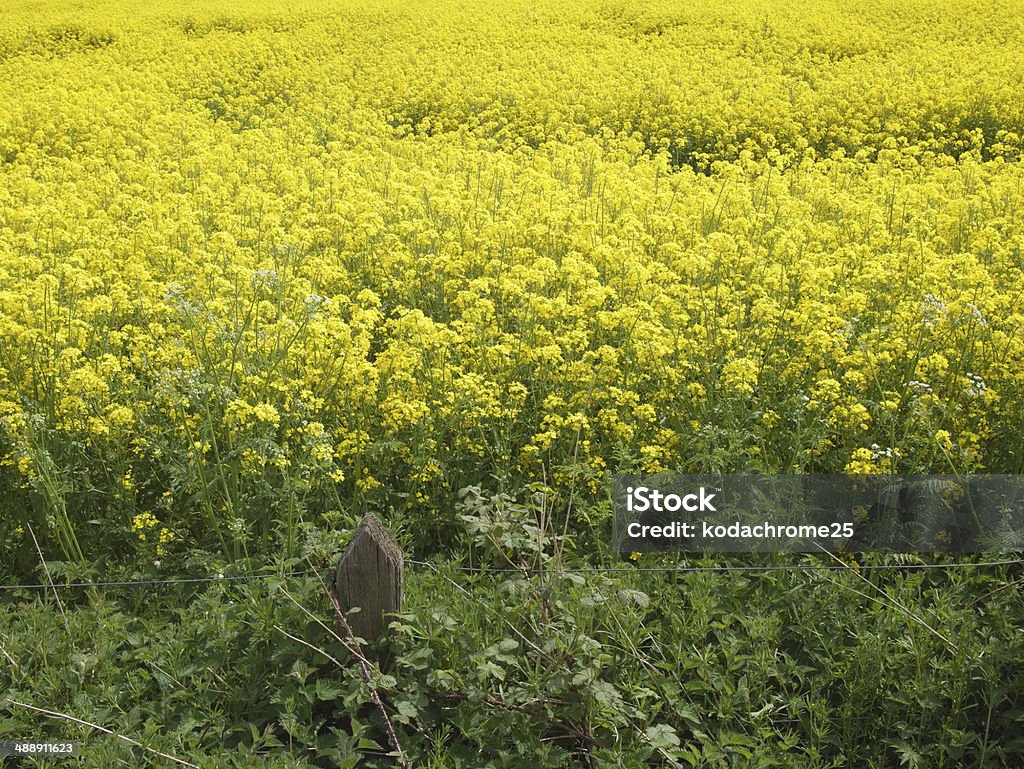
863	667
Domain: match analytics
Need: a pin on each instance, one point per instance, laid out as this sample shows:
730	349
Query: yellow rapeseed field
261	261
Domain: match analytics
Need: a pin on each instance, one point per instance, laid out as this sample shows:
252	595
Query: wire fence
490	570
143	582
683	569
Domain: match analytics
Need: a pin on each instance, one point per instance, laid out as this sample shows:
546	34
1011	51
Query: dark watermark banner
810	513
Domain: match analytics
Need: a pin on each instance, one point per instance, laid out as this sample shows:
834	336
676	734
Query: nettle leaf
327	690
489	668
607	695
634	597
406	711
300	671
662	736
584	676
688	714
386	681
441	679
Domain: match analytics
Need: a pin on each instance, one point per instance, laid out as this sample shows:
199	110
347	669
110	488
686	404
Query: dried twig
10	659
129	740
364	664
562	726
49	581
907	612
999	589
364	668
308	645
496	613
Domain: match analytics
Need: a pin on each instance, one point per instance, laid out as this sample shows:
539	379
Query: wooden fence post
369	575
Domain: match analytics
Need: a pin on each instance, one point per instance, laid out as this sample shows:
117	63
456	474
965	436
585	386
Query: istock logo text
641	499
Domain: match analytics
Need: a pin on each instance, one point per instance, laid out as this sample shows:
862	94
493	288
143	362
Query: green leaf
662	736
407	711
327	690
908	756
635	597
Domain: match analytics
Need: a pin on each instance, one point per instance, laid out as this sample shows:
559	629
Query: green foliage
626	668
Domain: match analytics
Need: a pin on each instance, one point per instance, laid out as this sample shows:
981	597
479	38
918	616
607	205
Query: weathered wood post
369	575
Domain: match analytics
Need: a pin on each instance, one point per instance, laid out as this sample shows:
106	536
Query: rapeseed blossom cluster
256	264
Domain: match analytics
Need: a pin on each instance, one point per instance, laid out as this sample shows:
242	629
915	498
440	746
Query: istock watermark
809	513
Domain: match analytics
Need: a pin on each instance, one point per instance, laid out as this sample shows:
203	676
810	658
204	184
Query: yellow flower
265	412
739	375
496	279
143	522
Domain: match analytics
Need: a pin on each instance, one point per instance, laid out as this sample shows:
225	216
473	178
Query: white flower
977	384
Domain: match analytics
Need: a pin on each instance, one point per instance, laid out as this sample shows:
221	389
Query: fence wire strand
141	582
589	570
682	569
